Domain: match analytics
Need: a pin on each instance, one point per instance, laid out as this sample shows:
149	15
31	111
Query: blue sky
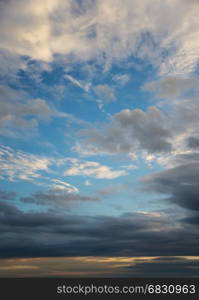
99	124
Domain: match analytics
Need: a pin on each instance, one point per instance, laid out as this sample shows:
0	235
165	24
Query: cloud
36	234
58	184
193	142
57	197
92	169
80	83
121	79
172	86
6	195
18	165
131	131
105	93
165	134
87	183
179	184
112	190
100	267
20	113
165	34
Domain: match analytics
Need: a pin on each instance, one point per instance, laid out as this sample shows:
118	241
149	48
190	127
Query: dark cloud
184	159
193	142
46	234
179	183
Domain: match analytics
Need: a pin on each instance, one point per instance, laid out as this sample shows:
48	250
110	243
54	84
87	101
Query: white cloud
87	183
122	79
92	169
65	186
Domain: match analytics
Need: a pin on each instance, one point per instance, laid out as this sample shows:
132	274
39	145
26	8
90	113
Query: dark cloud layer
34	234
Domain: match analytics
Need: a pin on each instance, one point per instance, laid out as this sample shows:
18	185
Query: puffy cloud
92	169
130	131
164	133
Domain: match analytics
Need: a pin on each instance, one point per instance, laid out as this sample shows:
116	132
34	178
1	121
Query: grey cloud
111	190
132	130
56	198
6	195
193	142
183	159
20	112
156	131
172	86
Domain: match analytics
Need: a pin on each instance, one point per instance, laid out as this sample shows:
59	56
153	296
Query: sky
99	138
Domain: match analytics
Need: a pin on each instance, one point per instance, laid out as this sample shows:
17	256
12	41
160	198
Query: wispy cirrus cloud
18	165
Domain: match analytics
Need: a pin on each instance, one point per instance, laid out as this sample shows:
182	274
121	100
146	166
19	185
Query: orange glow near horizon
80	266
